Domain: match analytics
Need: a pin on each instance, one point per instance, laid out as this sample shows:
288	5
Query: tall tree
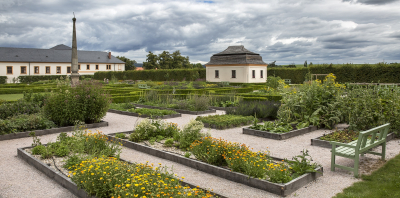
151	61
165	60
197	66
129	64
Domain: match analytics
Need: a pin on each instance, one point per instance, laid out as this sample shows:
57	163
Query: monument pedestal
74	79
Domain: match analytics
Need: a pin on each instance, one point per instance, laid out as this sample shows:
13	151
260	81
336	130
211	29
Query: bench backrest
378	135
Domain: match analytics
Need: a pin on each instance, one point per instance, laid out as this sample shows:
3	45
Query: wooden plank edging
279	136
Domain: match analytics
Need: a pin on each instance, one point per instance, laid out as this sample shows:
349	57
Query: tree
165	60
129	64
197	66
305	63
151	61
272	64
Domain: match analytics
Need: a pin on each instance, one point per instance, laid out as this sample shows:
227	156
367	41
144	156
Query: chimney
109	55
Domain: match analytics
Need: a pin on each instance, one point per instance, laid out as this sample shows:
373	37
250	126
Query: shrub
86	102
147	129
25	122
190	133
17	108
169	142
121	135
225	121
38	150
62	150
262	109
200	103
272	81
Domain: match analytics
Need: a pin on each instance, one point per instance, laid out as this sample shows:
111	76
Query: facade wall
30	68
243	74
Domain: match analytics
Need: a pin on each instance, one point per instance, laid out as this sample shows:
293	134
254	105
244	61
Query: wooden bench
365	142
143	86
288	81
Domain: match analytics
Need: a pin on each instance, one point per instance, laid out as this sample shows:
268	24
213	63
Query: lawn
9	97
385	182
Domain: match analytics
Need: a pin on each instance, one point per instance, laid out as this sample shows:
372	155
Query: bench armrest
340	144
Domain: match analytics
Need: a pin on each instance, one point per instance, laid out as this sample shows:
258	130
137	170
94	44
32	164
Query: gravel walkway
18	179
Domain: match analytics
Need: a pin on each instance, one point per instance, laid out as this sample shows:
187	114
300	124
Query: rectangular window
58	69
87	67
119	67
47	69
97	67
9	69
23	69
68	70
79	67
253	72
262	74
216	73
233	73
108	67
36	68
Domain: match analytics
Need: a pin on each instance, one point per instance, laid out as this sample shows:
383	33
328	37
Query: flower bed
325	143
157	115
91	169
225	121
49	131
278	130
179	110
282	189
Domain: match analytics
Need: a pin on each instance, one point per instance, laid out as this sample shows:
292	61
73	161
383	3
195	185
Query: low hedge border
179	110
143	116
325	144
279	136
49	131
279	189
66	182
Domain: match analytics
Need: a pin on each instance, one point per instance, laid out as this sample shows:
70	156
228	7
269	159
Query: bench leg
333	161
383	151
356	165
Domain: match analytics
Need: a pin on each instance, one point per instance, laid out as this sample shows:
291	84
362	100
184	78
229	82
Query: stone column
74	59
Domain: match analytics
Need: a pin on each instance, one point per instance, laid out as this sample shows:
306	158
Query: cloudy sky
319	31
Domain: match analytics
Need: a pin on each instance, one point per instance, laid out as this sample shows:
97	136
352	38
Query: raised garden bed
325	144
49	131
279	136
178	110
225	121
143	116
279	189
221	108
66	182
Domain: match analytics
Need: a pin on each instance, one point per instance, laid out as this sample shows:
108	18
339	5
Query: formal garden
271	111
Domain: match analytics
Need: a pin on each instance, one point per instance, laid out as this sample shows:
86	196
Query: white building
238	65
16	62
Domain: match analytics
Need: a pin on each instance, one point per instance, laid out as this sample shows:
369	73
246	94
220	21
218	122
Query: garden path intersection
19	179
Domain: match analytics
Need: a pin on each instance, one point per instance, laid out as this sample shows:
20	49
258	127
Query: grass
11	97
385	182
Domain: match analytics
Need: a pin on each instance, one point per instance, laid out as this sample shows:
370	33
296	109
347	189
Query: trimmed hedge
154	75
3	79
22	90
263	98
31	79
365	73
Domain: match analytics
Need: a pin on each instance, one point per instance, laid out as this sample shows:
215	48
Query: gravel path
18	179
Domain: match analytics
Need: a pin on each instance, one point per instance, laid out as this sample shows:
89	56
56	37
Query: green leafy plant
190	133
121	135
62	151
273	127
169	142
301	164
226	121
188	154
39	150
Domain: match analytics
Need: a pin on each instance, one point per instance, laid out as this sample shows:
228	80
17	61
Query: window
47	69
97	67
253	72
216	73
233	73
23	69
36	68
119	67
58	69
108	67
262	74
79	67
68	70
87	67
9	69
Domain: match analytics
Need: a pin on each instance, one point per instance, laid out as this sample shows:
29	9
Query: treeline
165	60
365	73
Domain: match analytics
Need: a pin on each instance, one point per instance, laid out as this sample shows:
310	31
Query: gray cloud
286	31
372	2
